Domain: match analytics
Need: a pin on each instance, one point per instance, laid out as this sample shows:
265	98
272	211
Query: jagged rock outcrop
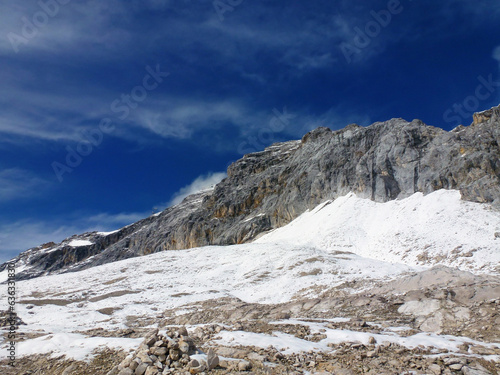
268	189
480	117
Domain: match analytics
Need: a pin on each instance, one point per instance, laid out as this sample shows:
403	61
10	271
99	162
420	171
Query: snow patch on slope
289	344
265	273
438	228
105	296
73	345
78	243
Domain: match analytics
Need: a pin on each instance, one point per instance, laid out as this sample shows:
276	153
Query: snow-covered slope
265	273
438	228
106	296
341	241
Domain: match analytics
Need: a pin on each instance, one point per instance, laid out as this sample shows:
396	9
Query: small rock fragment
244	366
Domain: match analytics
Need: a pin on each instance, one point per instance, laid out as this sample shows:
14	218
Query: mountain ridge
268	189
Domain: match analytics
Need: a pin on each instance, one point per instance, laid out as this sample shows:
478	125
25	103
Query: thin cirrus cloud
297	45
14	238
306	42
71	25
313	33
245	45
53	112
256	127
166	116
16	183
108	27
20	127
79	24
178	118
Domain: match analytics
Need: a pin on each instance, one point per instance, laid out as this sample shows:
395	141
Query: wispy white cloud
164	114
298	42
311	62
16	183
178	118
22	127
114	221
39	113
183	119
301	41
199	184
69	25
21	235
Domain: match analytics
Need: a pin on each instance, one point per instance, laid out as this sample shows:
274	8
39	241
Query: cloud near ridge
201	183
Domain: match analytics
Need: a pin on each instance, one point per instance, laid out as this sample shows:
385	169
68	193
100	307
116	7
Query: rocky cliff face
268	189
493	113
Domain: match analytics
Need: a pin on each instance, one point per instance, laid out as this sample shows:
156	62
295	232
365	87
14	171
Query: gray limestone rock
141	369
212	359
477	370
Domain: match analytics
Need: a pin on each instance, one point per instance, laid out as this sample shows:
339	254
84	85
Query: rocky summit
367	250
266	190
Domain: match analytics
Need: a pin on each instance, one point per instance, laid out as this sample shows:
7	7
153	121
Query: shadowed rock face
268	189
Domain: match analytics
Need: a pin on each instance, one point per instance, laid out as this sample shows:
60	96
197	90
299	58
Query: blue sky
111	109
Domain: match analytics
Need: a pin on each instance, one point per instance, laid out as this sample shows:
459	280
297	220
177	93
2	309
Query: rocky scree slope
268	189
